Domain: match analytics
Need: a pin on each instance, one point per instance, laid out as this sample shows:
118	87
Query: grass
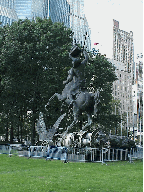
19	174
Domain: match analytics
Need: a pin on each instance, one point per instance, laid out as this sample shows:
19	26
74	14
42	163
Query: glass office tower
7	12
31	9
23	8
59	11
40	8
71	13
12	10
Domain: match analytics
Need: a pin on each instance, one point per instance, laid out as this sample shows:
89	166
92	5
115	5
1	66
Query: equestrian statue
75	94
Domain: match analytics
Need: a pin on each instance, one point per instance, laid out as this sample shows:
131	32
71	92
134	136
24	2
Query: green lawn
19	174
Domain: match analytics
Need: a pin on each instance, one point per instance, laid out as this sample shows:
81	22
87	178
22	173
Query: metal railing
75	154
136	153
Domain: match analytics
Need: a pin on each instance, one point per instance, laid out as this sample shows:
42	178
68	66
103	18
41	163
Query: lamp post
115	127
140	131
140	122
127	123
134	125
121	124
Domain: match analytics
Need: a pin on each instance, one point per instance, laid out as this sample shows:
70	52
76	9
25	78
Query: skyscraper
59	11
23	8
138	94
79	24
71	13
31	9
123	46
12	10
122	90
7	12
123	54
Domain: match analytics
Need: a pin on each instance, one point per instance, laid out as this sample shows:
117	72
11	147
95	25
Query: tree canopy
100	74
33	56
34	62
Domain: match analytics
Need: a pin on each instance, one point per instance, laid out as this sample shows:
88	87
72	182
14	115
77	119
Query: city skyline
100	15
69	12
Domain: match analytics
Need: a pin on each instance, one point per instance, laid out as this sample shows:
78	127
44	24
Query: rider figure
76	73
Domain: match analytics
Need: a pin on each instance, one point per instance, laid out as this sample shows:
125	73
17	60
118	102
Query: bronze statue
75	92
76	76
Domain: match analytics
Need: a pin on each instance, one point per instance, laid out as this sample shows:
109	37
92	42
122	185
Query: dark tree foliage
33	55
34	62
100	74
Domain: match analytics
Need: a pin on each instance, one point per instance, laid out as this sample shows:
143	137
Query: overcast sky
100	15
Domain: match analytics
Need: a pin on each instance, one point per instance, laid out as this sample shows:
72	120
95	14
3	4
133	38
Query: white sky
100	15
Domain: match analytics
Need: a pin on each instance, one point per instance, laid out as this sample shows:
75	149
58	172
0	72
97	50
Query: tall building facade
122	90
59	11
12	10
139	86
71	13
123	46
79	24
31	9
123	59
7	12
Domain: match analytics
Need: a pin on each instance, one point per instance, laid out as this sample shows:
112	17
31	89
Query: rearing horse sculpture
75	92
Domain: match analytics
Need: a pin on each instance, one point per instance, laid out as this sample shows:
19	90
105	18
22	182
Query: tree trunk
6	139
21	125
11	134
115	131
21	133
33	133
18	128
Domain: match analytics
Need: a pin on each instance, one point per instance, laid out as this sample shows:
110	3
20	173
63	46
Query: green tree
33	64
33	56
100	74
